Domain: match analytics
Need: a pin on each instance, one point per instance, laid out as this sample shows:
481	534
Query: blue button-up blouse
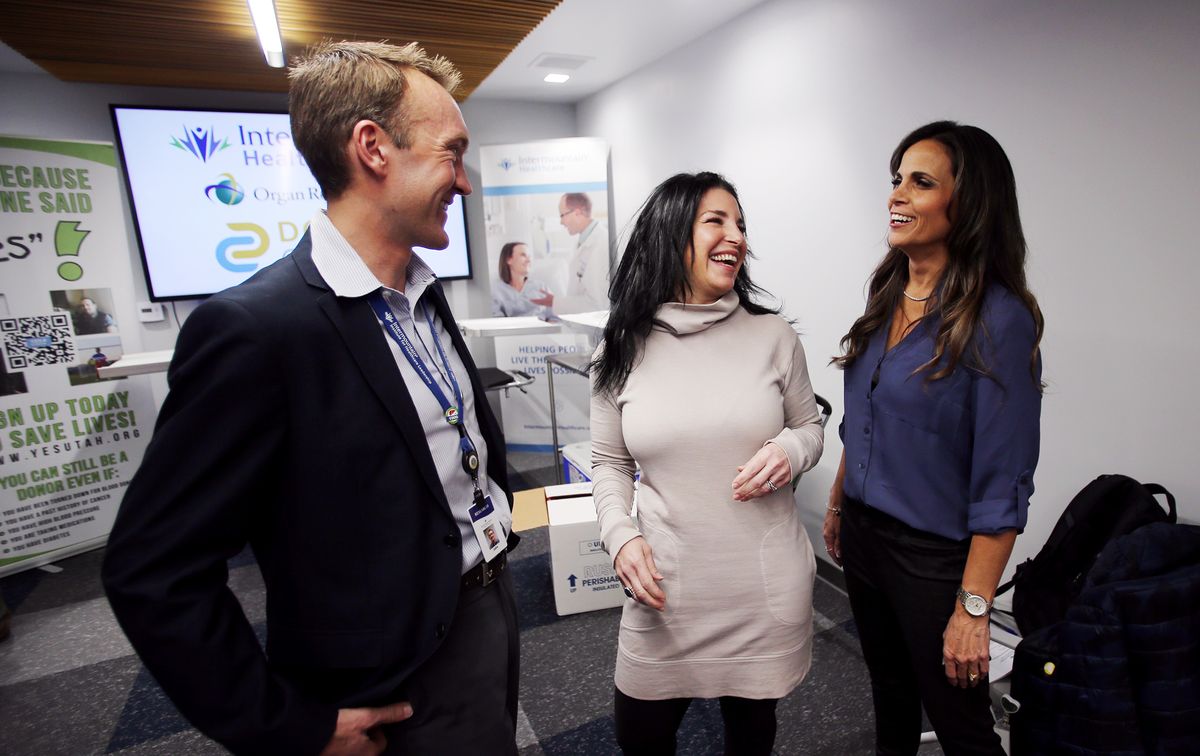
953	456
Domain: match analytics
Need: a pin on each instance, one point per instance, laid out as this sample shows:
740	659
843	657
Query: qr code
38	340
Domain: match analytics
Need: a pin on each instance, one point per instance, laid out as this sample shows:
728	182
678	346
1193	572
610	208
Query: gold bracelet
837	511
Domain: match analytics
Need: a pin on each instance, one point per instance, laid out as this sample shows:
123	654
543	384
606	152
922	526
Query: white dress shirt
348	276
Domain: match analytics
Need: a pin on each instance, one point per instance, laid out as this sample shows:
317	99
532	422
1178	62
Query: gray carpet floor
70	684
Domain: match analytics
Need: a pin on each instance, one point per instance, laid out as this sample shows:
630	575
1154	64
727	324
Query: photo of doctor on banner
587	274
557	259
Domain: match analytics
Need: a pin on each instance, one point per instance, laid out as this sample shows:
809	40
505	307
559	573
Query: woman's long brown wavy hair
986	246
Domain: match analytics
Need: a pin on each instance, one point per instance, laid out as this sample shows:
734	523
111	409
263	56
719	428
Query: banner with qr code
69	441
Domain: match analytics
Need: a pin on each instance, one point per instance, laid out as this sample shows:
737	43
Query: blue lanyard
451	412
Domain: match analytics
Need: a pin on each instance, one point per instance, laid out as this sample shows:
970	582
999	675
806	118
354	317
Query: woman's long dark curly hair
654	270
986	245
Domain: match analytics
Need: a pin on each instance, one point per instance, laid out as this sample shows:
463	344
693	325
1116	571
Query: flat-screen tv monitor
219	194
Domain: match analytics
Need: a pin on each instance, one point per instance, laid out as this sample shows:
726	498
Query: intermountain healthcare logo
227	191
226	258
505	164
202	143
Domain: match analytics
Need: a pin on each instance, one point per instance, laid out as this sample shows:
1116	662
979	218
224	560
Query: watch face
976	606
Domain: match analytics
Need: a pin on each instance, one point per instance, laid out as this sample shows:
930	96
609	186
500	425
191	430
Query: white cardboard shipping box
582	572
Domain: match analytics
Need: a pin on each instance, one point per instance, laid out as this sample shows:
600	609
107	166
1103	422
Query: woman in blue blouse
940	436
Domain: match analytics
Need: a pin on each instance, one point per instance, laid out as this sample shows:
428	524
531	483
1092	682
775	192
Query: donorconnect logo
227	191
203	143
235	248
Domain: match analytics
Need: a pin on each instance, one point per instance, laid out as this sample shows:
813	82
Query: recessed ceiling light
556	78
558	61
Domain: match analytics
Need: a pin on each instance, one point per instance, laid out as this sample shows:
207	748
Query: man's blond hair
337	84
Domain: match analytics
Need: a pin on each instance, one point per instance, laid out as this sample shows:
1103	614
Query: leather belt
485	573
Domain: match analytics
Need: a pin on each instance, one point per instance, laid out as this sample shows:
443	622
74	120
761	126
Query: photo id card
488	530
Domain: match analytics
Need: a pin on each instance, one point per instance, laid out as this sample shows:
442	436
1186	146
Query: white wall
40	105
1096	102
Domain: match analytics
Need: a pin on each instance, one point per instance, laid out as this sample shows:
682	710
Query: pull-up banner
69	441
547	215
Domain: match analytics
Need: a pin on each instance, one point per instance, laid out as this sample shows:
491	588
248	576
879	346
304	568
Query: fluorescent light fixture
556	78
267	28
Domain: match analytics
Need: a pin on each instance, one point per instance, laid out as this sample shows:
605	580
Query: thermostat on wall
150	312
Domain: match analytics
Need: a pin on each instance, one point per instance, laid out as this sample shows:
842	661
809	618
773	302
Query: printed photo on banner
553	253
97	339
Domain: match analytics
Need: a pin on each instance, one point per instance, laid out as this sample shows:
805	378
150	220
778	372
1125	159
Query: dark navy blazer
288	427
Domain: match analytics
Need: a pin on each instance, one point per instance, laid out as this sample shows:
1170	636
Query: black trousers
648	728
464	697
902	584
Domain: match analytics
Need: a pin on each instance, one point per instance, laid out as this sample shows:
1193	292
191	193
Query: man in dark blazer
300	420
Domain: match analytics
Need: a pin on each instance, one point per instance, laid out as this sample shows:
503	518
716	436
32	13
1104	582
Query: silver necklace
911	298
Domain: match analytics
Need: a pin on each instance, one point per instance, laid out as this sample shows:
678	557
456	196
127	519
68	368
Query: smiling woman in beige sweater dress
709	393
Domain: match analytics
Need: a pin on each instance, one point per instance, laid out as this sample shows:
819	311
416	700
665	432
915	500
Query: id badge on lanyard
485	521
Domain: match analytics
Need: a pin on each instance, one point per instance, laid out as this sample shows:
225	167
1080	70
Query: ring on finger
628	592
972	676
771	485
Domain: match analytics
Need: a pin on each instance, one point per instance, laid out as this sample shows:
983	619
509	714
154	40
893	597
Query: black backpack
1107	508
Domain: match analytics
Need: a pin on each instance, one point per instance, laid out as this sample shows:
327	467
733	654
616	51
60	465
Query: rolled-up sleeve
613	470
1007	406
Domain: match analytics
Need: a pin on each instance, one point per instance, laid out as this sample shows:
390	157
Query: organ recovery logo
227	191
203	143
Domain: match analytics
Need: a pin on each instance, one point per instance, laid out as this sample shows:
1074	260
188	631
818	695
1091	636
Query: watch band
973	603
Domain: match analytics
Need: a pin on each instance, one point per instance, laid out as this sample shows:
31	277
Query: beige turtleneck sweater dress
738	574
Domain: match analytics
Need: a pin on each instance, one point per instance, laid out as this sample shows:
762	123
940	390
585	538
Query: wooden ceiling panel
212	45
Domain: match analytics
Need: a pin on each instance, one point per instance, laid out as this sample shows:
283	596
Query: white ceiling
617	36
12	61
620	36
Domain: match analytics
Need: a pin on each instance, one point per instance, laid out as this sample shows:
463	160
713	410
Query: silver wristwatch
976	606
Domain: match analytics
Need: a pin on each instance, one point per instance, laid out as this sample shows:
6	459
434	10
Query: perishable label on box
582	571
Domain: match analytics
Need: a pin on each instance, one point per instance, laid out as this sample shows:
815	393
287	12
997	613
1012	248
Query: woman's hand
831	531
546	300
767	471
635	567
965	643
966	649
